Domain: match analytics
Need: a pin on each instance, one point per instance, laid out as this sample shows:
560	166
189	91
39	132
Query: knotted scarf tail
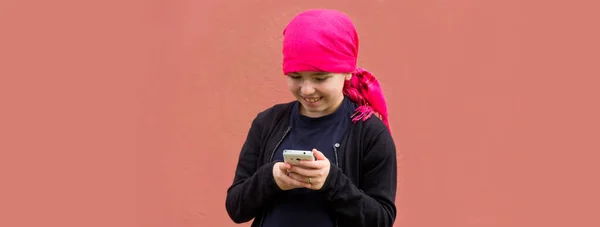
364	89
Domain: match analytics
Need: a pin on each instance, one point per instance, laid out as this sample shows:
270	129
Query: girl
352	182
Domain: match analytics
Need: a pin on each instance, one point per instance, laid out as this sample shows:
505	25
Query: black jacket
361	188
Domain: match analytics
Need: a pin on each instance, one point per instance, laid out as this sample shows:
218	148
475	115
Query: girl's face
320	93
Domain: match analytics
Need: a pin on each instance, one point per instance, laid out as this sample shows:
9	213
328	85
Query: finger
291	180
299	177
284	167
307	172
312	164
313	180
319	155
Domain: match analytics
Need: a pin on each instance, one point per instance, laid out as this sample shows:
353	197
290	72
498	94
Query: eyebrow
313	74
317	74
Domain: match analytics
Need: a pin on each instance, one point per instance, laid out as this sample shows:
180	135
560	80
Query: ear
348	76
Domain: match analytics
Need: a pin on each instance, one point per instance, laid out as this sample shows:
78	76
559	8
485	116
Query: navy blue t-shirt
302	206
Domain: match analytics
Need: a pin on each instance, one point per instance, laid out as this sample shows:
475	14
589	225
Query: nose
306	88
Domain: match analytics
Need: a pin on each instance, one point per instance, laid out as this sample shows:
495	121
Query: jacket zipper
335	146
278	143
337	163
270	160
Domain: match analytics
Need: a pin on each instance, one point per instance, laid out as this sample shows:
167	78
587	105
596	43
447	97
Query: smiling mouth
312	100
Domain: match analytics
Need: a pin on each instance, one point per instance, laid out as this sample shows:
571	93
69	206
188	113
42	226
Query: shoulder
374	131
273	113
375	125
372	126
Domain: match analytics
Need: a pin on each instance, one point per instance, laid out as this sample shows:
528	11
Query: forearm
247	197
373	207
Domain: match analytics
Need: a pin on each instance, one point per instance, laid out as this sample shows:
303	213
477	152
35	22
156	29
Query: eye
321	78
294	77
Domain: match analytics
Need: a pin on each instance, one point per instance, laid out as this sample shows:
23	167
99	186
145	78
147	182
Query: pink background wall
132	113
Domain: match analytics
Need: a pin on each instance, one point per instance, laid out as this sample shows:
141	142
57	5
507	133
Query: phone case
294	156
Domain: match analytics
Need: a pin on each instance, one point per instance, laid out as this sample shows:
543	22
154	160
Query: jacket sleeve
373	204
253	185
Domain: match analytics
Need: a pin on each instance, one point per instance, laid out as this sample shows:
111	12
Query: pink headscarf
326	41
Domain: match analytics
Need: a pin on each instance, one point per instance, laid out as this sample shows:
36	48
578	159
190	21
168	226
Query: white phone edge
291	156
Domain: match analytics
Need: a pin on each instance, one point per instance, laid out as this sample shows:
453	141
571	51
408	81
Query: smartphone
295	156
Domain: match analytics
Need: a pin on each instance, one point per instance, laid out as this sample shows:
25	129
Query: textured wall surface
132	113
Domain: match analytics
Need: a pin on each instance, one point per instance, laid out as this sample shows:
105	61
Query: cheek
293	88
339	87
290	84
333	91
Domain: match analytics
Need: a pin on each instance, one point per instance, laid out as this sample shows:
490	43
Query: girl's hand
284	180
313	173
